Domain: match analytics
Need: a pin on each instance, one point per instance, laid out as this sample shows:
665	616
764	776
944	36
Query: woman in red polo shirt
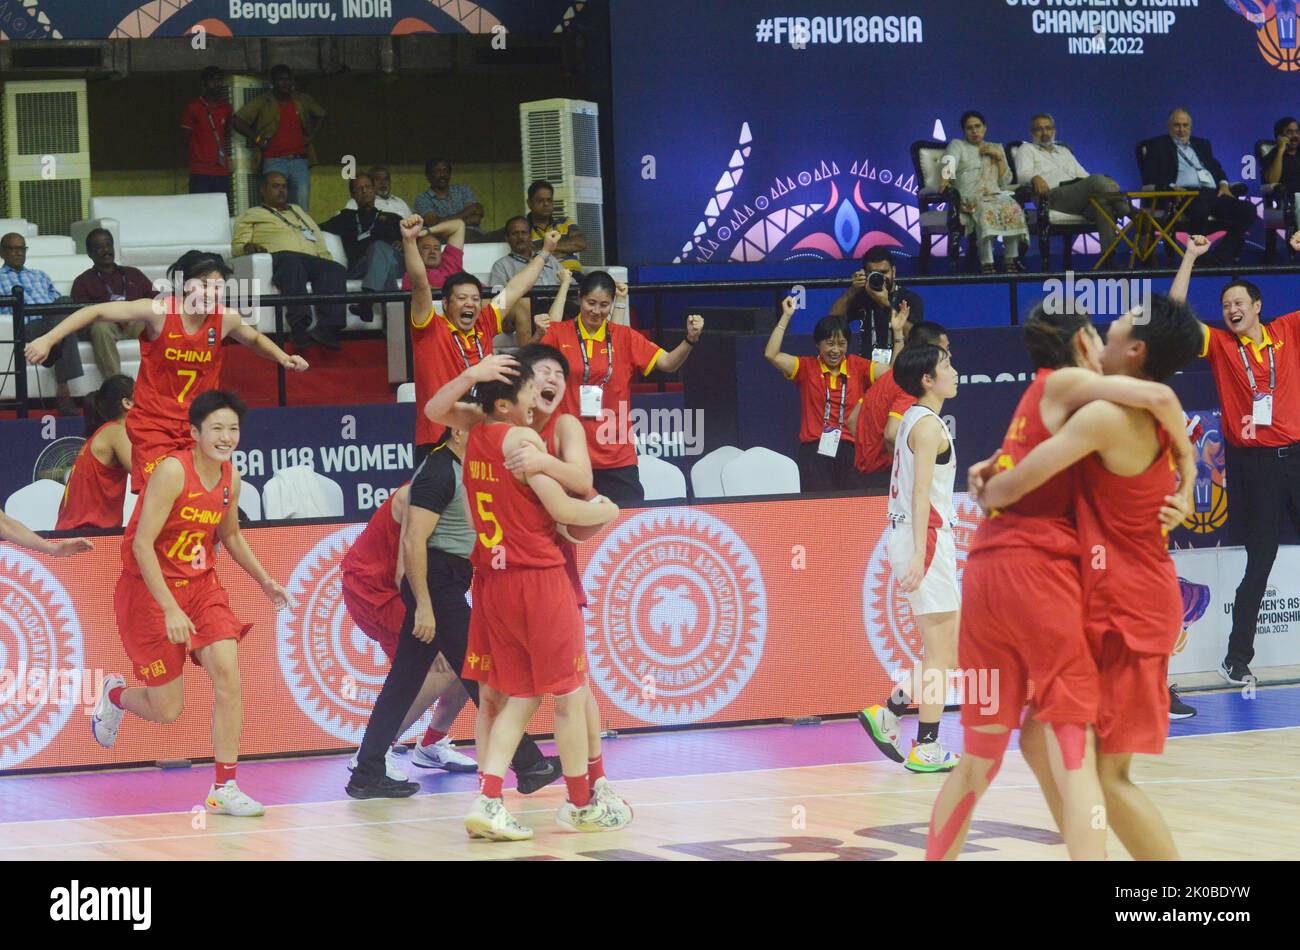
603	357
830	385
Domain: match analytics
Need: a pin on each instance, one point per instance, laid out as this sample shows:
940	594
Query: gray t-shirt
437	487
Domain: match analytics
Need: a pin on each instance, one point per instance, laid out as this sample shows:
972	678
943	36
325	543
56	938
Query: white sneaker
603	791
391	768
596	816
931	757
229	800
489	819
106	719
442	755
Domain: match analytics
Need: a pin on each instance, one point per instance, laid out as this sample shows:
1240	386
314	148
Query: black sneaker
1177	708
327	337
1238	674
382	787
301	338
540	775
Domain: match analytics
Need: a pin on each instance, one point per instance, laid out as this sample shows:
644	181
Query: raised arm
1085	432
421	293
452	231
1197	245
446	409
784	362
543	322
1074	387
522	283
147	311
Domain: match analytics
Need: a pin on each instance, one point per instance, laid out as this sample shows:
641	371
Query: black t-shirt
874	319
437	487
349	225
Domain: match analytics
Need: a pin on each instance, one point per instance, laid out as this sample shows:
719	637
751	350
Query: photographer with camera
872	299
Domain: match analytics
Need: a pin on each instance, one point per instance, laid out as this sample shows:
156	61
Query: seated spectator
442	200
1179	159
874	308
979	171
97	483
876	418
102	283
1053	172
1283	162
440	260
372	239
283	123
542	220
206	126
830	385
38	289
385	200
521	255
298	256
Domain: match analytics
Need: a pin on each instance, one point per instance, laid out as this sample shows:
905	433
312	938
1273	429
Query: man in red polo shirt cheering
450	340
1257	373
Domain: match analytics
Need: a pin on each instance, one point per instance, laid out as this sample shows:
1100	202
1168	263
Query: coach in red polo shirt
603	357
206	124
1256	370
447	340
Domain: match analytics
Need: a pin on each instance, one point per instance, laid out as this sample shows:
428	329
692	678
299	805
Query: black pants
622	486
209	184
1261	486
292	272
68	364
1234	215
448	578
823	473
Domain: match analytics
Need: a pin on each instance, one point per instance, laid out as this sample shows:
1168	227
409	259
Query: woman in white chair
982	176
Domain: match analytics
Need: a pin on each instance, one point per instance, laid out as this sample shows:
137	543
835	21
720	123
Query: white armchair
150	232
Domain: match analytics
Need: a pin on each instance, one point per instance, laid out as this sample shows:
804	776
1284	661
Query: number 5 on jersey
482	500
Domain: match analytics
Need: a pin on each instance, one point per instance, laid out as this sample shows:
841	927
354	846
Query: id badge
882	356
830	442
309	234
1263	410
114	297
589	399
1207	180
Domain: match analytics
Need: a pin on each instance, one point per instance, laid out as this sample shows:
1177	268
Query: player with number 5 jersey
180	354
170	603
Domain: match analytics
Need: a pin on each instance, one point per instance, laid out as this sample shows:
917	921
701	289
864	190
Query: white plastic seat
129	502
36	505
406	392
151	231
760	471
250	503
660	479
706	474
301	492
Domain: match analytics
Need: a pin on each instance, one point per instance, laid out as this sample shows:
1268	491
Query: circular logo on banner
677	616
42	657
886	613
333	670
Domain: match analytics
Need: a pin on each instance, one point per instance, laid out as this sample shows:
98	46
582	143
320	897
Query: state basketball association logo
333	670
886	613
677	616
40	646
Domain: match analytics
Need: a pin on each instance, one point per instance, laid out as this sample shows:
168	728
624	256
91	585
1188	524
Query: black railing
543	297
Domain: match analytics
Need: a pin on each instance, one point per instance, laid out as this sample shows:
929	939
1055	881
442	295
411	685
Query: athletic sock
579	790
596	769
432	735
927	732
225	772
115	696
490	785
897	703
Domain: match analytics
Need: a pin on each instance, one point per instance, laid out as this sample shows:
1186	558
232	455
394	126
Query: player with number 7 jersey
180	354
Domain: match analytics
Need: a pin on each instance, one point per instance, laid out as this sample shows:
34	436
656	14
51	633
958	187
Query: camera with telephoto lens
876	280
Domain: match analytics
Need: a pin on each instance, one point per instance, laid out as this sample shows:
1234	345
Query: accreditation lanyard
303	227
464	351
1261	410
844	395
1250	374
109	287
216	133
365	235
586	359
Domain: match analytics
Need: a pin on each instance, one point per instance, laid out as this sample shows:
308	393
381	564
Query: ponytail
105	404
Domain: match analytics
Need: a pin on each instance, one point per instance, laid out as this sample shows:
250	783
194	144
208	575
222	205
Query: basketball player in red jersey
170	603
525	629
1131	493
180	355
372	570
1023	607
564	458
97	483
